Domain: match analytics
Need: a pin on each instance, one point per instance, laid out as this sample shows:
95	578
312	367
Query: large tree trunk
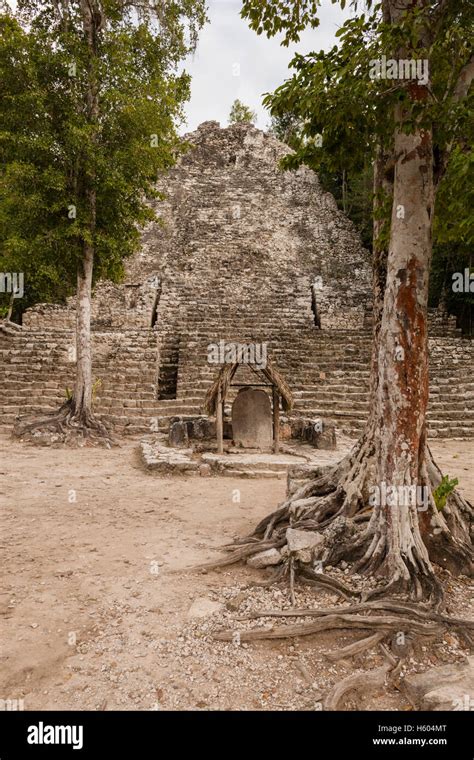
402	388
402	528
81	403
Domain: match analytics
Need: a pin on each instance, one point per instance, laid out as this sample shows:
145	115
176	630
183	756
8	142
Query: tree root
7	327
335	503
396	616
325	582
357	648
387	674
235	556
371	679
339	621
65	426
423	614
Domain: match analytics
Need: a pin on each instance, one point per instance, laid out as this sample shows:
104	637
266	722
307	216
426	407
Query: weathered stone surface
178	434
265	559
449	687
201	428
252	419
298	540
327	438
318	432
164	460
243	250
204	607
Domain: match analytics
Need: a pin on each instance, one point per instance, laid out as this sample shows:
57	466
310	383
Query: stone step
251	462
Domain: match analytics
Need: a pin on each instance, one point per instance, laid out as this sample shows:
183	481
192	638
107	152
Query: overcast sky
233	62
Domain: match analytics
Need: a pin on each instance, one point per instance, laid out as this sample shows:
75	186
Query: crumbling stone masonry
245	253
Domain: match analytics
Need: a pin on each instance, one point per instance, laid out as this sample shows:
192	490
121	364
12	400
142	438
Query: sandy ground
93	618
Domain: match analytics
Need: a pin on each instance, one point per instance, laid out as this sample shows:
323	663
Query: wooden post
276	421
219	421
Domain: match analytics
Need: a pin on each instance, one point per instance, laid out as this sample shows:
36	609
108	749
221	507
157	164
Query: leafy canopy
333	95
240	112
49	149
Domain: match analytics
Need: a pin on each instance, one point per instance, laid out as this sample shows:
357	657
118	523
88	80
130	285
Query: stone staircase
37	368
327	371
329	377
245	253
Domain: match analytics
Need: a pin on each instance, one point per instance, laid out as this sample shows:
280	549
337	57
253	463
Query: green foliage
441	493
240	112
333	94
51	154
453	236
281	17
96	386
286	127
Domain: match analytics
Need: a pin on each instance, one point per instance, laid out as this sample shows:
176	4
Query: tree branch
464	81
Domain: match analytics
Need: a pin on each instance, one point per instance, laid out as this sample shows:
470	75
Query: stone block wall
242	251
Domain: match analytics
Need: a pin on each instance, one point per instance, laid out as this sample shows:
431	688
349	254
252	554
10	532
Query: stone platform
158	458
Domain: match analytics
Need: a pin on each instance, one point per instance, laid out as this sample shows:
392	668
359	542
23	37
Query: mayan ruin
246	254
236	375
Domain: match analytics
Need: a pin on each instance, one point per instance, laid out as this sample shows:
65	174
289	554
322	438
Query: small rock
205	470
203	607
298	540
304	555
236	601
449	687
265	559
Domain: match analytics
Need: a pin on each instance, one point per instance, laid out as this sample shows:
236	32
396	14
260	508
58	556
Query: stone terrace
236	257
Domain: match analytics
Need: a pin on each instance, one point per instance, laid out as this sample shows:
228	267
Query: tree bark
402	388
75	417
220	422
81	404
276	420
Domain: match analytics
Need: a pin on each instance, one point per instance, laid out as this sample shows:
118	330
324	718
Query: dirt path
92	617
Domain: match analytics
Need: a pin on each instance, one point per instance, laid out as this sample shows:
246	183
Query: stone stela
252	419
